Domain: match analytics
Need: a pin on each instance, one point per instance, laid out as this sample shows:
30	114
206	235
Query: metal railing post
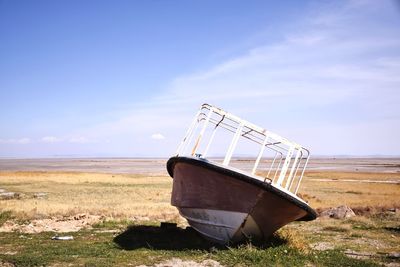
301	176
186	139
285	166
260	155
202	131
290	177
233	145
272	164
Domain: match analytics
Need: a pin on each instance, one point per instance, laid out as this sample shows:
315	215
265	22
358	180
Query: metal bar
259	155
201	133
189	132
285	166
252	126
297	168
279	165
272	164
249	131
290	177
212	137
302	173
233	145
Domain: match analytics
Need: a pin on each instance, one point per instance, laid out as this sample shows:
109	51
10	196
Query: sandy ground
58	225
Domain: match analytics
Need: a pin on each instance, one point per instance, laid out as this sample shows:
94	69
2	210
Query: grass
72	193
333	193
362	234
151	244
139	195
4	216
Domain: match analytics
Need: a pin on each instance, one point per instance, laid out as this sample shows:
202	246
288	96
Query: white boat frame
287	167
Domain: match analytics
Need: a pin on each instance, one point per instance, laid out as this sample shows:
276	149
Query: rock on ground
40	195
321	246
9	195
6	264
340	212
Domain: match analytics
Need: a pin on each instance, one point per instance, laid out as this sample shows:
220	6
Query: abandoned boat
231	199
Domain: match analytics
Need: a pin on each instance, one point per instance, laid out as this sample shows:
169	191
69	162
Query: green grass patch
5	216
336	229
284	255
112	224
146	244
122	223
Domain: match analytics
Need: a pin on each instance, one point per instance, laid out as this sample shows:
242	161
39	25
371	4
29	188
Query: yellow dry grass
111	195
323	194
141	196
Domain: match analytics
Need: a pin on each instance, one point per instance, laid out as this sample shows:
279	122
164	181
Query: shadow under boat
164	237
170	237
228	205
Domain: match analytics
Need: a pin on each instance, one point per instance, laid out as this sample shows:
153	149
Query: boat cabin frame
286	168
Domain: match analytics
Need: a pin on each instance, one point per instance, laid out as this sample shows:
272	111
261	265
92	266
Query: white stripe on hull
219	225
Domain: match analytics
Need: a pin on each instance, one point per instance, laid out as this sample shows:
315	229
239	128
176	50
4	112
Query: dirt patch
367	210
322	246
370	210
60	225
6	264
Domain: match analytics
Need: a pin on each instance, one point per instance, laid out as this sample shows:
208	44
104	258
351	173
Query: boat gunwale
201	162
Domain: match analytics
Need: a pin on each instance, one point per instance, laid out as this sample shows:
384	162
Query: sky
124	78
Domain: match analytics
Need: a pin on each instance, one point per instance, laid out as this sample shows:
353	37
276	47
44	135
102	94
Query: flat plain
113	209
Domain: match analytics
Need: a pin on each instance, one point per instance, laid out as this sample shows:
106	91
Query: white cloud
21	141
24	141
157	136
81	140
51	139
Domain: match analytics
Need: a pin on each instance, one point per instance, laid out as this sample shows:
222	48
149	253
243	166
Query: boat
228	198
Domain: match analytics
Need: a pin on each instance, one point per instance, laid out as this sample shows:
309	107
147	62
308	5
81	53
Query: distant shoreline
157	165
213	157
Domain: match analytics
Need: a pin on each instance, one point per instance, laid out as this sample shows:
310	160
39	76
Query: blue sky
124	78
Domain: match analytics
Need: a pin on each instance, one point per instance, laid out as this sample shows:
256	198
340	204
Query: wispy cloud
157	136
51	139
20	141
328	72
81	140
334	75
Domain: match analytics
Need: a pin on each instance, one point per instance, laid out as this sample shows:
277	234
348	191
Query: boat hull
225	205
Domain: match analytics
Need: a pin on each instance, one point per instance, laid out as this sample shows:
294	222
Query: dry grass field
141	195
70	193
356	189
129	208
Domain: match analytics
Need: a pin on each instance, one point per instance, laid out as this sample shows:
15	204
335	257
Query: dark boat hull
226	205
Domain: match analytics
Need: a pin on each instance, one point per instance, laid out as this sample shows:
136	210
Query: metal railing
286	160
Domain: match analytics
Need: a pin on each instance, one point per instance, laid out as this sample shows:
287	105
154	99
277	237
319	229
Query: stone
340	212
9	195
40	195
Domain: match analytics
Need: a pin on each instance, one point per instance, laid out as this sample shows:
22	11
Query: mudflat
157	165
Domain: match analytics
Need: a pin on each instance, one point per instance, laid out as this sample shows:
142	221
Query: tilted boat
227	204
